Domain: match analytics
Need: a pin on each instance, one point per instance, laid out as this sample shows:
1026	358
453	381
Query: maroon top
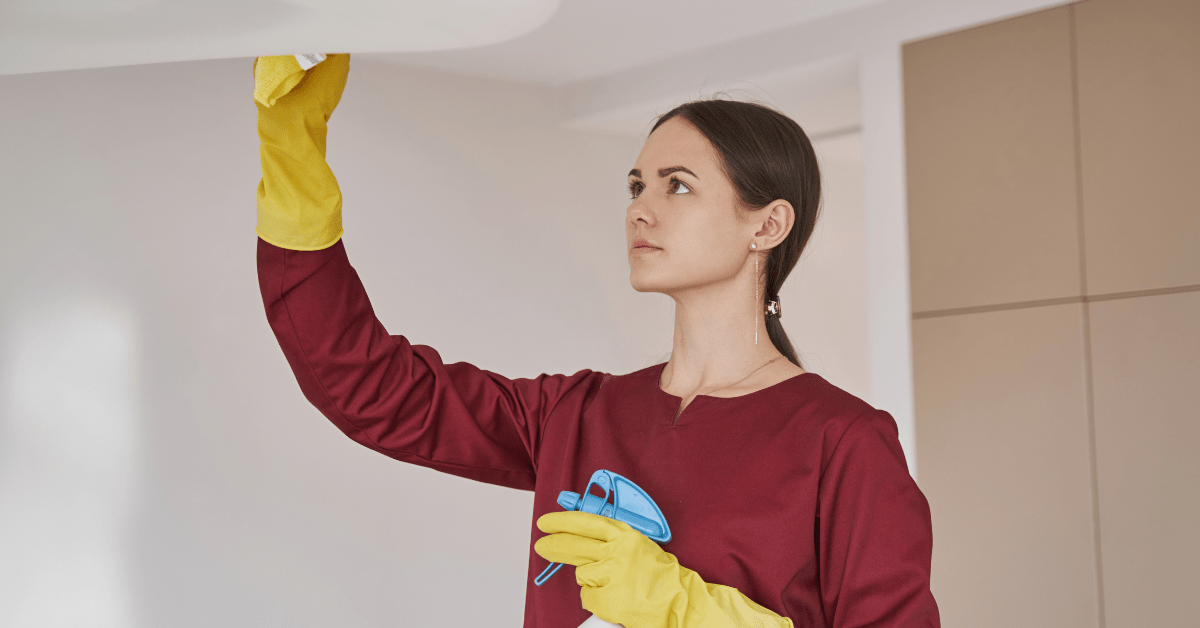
796	495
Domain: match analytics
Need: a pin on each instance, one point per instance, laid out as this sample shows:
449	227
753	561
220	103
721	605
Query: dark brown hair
767	157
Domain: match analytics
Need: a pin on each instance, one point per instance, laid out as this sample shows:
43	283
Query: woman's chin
641	284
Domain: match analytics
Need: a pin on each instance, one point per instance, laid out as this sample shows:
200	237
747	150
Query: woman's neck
714	345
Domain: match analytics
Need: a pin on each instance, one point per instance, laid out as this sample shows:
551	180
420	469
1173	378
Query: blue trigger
630	504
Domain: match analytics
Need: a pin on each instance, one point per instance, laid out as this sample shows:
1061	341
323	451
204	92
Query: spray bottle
630	504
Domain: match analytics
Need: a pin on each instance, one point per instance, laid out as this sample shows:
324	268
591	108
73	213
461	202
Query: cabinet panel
990	143
1139	100
1146	356
1002	438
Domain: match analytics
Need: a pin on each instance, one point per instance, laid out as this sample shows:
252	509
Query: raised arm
385	393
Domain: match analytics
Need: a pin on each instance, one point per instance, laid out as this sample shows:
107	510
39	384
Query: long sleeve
398	398
875	538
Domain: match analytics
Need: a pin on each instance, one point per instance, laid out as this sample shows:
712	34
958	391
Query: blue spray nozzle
629	503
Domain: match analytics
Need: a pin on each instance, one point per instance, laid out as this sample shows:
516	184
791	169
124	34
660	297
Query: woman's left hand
626	577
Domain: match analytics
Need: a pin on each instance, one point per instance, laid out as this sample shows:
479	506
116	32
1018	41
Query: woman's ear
777	220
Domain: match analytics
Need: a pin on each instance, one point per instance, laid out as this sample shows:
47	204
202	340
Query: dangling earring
754	247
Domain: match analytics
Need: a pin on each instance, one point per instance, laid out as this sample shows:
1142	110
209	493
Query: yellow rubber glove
628	579
299	201
274	77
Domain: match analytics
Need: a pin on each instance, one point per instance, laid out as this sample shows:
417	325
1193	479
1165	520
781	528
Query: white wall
158	464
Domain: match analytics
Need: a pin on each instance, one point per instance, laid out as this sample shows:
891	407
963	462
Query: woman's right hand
280	81
299	201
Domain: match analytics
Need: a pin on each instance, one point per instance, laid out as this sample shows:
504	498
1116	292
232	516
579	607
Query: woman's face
685	208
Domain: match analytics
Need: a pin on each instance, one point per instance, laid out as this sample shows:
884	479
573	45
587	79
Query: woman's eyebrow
662	172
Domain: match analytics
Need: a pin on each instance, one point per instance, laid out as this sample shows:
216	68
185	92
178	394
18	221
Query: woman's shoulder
821	414
815	402
637	378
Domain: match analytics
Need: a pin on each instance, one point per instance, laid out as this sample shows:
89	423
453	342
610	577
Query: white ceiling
588	38
540	41
569	43
608	62
46	35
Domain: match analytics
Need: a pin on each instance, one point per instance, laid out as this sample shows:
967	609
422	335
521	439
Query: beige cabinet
1054	225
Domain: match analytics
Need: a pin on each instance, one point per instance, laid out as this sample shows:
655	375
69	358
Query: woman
789	499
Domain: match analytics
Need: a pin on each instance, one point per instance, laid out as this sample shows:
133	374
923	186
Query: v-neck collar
654	374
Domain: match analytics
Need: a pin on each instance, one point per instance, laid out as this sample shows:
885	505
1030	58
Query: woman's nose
638	210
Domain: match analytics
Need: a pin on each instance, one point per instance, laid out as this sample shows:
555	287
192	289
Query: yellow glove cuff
728	607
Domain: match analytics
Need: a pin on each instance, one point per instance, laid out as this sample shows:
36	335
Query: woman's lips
642	244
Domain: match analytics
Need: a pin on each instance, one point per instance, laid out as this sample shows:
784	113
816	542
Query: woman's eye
635	187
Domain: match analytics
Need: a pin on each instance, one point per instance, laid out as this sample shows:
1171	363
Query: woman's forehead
677	143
